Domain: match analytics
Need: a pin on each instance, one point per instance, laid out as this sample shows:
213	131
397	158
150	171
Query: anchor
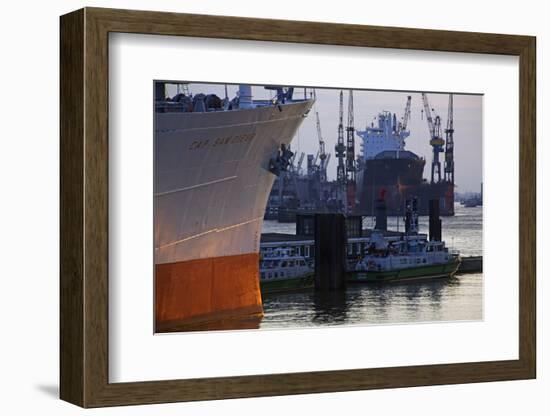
281	161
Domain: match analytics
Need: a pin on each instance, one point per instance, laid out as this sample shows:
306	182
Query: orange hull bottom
199	294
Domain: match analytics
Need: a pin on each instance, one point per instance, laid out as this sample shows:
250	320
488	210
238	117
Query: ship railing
265	103
171	107
181	107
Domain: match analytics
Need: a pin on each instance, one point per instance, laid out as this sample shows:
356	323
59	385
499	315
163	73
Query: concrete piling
330	252
435	220
381	215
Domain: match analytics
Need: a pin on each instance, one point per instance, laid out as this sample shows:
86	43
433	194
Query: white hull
212	178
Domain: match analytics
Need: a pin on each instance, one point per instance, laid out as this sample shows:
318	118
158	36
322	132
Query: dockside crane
291	165
340	148
327	161
350	157
406	115
299	164
322	154
315	167
436	141
449	145
311	165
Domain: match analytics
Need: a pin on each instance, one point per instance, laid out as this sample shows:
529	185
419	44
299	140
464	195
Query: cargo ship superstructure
215	163
385	165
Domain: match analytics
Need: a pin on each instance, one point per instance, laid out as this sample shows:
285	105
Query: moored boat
281	270
412	258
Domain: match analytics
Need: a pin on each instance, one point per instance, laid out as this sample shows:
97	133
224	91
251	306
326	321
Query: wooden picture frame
84	207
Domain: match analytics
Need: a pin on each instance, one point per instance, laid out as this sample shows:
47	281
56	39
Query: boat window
291	263
306	251
262	275
283	264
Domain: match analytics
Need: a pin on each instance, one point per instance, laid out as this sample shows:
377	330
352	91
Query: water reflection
330	307
454	299
427	301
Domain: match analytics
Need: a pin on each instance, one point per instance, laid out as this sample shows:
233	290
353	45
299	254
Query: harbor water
456	299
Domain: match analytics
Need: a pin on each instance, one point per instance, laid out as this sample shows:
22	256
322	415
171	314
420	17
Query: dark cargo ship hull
401	179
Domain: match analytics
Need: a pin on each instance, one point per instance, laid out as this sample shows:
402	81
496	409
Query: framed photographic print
255	207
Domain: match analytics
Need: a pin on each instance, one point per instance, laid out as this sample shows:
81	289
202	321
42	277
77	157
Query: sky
367	104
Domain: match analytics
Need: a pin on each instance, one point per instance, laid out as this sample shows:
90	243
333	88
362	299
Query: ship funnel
245	96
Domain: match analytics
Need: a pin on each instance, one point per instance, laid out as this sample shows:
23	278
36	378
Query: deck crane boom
434	125
350	156
449	144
